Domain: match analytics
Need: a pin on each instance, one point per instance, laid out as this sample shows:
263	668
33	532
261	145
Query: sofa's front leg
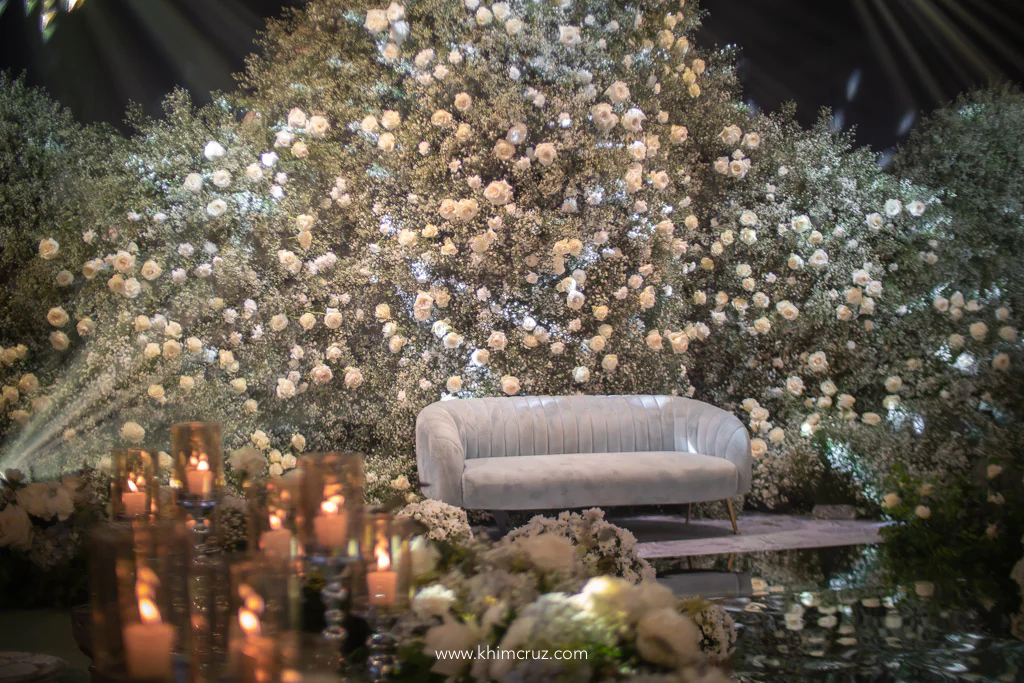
502	519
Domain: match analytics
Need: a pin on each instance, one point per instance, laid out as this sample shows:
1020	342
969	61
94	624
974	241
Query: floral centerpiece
501	611
43	527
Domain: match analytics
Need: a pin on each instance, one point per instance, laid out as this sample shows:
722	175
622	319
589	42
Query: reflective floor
835	614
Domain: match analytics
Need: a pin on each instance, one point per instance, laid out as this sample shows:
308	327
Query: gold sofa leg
732	515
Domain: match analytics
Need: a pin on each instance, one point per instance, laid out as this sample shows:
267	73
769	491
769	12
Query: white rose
216	208
818	362
570	36
57	317
285	388
497	341
213	150
604	118
463	101
85	327
679	341
633	120
795	385
467	209
221	177
610	362
667	638
376	21
132	432
386	142
545	153
454	639
731	135
353	378
787	310
317	126
59	341
48	249
510	385
332	318
549	552
321	374
498	193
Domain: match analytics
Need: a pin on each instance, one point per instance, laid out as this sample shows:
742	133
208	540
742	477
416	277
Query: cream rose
498	193
545	153
510	385
57	317
132	432
48	249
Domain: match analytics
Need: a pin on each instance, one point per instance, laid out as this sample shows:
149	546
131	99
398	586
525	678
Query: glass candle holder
135	483
139	585
263	619
198	475
273	513
331	504
387	564
382	590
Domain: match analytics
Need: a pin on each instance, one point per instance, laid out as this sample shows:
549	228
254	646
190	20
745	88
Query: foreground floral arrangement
540	590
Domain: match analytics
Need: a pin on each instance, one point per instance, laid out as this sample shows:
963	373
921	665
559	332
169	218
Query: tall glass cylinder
273	511
135	483
139	584
331	504
198	475
264	619
386	581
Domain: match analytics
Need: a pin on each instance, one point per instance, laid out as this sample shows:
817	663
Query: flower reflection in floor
837	614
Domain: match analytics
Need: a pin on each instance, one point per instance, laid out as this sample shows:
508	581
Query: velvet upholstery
534	452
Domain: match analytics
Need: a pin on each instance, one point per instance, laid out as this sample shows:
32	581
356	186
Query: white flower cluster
496	601
494	226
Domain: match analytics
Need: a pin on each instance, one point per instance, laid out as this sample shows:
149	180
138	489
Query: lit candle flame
249	622
148	611
194	461
383	559
203	466
329	507
275	522
132	487
254	603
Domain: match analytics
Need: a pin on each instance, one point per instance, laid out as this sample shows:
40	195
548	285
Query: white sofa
544	452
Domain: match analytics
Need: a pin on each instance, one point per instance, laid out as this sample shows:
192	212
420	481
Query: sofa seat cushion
537	482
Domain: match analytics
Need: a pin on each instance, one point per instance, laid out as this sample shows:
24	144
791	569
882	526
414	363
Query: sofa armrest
440	455
709	430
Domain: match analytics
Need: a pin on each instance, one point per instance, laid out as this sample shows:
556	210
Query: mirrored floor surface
836	614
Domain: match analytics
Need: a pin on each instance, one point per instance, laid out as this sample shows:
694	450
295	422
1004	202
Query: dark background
876	63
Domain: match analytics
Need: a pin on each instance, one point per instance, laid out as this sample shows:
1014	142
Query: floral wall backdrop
404	203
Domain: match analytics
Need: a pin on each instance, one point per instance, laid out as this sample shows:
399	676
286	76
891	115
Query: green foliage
53	173
972	153
961	529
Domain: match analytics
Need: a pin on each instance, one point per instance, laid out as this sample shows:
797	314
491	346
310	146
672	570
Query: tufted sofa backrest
555	425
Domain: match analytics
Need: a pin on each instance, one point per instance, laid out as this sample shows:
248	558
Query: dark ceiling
876	63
